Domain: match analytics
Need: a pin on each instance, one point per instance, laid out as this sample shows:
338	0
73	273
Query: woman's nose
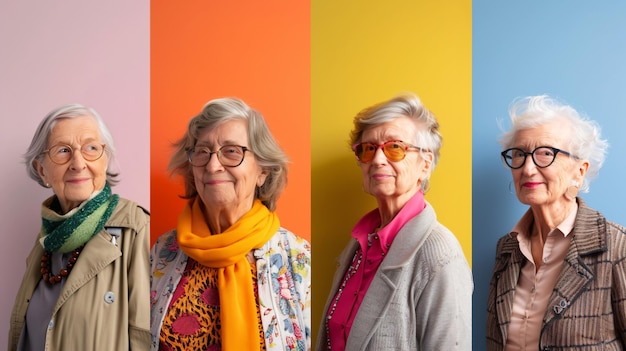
529	166
77	161
379	156
214	163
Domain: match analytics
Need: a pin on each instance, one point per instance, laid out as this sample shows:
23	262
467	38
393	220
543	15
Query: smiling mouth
216	182
77	180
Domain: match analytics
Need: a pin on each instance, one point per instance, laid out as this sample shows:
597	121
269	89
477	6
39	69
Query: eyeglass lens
228	155
394	151
61	154
541	156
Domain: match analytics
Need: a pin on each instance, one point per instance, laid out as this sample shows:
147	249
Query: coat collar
590	230
588	237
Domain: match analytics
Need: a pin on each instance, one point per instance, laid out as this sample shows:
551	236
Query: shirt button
545	260
532	290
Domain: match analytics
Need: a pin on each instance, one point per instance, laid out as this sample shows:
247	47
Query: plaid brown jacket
587	308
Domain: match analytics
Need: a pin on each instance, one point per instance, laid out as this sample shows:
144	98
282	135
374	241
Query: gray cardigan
421	296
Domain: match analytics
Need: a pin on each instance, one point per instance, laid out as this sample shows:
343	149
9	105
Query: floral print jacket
284	288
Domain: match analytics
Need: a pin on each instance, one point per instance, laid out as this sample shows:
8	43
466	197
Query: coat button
51	324
109	297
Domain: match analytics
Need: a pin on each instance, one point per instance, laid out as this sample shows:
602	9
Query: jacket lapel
588	237
97	254
572	280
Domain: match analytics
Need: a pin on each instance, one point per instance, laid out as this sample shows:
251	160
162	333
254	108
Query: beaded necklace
354	266
46	266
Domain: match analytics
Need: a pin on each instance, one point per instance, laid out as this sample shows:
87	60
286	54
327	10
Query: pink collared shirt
374	245
534	287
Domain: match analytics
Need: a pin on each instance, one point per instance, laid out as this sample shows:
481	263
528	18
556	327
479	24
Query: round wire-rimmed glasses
62	154
542	156
394	150
227	155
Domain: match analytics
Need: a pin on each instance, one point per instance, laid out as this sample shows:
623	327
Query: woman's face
546	186
389	181
74	181
228	188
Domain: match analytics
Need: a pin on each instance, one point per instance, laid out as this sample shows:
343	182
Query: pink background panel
54	53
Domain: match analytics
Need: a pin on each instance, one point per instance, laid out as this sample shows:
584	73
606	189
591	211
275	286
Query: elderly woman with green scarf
86	285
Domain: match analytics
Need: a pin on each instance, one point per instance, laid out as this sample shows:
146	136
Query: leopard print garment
192	321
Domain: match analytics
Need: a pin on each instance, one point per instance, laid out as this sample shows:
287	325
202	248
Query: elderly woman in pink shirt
559	281
403	282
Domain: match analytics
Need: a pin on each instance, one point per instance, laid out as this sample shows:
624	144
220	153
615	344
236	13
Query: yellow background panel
364	52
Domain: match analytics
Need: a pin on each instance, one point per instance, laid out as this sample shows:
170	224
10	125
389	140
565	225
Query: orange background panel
256	51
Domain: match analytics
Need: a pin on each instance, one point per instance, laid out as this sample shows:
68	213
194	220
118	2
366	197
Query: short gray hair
266	150
404	105
585	142
40	140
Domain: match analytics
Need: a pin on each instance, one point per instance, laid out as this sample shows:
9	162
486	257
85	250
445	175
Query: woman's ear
426	167
40	170
260	180
582	169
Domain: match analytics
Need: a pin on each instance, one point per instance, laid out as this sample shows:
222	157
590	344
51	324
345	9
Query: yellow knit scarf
227	252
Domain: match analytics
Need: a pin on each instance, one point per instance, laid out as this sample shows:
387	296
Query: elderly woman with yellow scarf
229	277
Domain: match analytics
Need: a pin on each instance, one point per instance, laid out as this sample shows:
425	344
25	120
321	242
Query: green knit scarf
64	233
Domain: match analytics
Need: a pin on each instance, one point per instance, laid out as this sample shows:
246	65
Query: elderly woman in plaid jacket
559	281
